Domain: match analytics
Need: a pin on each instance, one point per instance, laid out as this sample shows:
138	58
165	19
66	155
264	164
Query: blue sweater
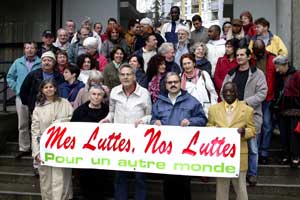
70	91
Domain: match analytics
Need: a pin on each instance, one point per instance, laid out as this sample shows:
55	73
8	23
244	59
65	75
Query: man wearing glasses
177	108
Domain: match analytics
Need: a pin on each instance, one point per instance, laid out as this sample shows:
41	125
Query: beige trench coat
55	182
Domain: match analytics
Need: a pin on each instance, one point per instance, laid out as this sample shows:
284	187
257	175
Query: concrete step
279	170
275	181
9	160
12	174
19	191
290	190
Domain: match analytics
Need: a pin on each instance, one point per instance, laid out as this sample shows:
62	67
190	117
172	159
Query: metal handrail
4	91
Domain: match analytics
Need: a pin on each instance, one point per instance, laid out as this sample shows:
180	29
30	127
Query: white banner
195	151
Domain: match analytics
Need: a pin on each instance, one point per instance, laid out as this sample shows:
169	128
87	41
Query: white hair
90	42
165	48
95	75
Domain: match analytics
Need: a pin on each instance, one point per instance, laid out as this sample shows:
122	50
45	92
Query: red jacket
250	29
270	74
102	62
292	88
222	68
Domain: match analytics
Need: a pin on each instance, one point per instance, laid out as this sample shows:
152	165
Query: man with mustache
177	108
264	61
252	90
31	84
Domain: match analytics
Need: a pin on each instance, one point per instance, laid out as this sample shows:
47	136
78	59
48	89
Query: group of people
167	75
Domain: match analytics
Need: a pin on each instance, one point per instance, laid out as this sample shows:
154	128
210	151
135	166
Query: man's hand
157	123
38	159
104	121
137	122
185	122
241	131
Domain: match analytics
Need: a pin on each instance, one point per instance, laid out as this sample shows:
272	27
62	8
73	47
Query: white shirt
173	100
128	109
216	49
147	55
84	76
168	26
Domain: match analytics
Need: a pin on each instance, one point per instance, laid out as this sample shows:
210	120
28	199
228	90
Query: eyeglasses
172	82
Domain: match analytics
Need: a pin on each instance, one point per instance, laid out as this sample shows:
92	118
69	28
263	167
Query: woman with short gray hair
167	50
199	49
95	78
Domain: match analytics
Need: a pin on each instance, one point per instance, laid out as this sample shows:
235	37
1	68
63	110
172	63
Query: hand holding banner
195	151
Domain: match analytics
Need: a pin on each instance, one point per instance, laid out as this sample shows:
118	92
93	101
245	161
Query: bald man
264	61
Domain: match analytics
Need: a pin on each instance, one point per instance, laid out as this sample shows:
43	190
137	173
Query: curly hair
116	27
81	58
153	65
41	97
115	49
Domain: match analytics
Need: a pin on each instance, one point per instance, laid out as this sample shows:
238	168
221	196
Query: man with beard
177	108
183	45
264	61
232	113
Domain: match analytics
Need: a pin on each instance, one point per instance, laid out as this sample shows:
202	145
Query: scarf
154	87
193	78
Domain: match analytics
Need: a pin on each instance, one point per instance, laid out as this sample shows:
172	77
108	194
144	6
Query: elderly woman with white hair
167	50
287	104
90	45
183	44
95	78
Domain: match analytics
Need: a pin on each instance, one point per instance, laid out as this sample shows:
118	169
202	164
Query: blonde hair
197	45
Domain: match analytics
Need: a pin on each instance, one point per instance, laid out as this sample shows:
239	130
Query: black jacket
86	114
31	84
